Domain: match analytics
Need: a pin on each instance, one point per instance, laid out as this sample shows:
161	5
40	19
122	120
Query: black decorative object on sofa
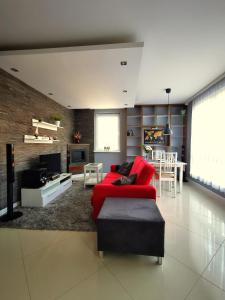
125	180
125	168
131	225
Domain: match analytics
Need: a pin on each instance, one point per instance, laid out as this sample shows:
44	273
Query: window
107	132
207	138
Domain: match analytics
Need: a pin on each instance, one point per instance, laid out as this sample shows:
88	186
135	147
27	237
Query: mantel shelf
44	125
31	139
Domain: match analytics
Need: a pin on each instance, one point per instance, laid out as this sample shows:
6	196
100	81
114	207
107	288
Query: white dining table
179	164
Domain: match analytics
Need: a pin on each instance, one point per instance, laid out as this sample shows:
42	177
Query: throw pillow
125	180
125	168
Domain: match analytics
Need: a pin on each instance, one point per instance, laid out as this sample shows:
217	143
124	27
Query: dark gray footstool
131	225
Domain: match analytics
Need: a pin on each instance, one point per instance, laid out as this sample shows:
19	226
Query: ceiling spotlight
69	106
50	94
124	91
123	63
14	69
125	104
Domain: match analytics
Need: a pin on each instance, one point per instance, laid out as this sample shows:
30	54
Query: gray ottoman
131	225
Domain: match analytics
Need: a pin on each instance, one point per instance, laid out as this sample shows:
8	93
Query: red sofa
141	188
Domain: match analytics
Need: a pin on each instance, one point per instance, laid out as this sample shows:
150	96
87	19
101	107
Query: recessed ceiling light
14	69
50	94
123	63
125	104
68	106
124	91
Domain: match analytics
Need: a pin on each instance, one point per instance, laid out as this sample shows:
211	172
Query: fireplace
77	157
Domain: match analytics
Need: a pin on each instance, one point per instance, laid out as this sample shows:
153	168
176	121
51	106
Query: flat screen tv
52	162
154	136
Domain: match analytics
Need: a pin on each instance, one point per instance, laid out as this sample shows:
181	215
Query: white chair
158	154
168	172
171	156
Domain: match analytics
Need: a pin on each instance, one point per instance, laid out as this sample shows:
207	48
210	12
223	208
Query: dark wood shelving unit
155	116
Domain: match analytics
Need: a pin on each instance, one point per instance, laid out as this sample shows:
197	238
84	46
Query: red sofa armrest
101	191
114	168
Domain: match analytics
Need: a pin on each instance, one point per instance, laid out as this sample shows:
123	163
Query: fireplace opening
77	155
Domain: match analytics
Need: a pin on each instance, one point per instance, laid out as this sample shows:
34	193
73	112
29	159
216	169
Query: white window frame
95	132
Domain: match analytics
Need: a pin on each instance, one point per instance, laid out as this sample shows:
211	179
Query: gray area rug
69	211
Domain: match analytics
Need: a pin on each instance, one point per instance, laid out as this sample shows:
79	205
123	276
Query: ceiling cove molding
72	49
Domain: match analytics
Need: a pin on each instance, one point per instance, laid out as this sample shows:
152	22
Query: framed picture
154	136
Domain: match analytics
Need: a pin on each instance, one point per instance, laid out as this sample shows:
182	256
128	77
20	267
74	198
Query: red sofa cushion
114	168
137	166
145	174
143	169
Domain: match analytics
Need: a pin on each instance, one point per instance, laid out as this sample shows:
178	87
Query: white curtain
208	137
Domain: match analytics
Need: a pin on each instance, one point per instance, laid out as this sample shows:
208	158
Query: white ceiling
80	77
184	40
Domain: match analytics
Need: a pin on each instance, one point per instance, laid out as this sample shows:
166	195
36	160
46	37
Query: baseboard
4	210
207	191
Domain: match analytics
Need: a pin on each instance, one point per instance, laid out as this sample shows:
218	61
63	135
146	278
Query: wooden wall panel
19	103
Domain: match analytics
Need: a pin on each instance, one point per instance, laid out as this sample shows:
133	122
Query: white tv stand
40	197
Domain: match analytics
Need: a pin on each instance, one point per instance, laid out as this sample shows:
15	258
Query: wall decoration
130	132
154	136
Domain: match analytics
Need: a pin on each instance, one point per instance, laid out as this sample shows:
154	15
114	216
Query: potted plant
57	118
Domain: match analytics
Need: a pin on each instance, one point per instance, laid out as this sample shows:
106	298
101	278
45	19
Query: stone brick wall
19	103
84	122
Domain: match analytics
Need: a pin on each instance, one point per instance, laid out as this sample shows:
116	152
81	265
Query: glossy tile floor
60	265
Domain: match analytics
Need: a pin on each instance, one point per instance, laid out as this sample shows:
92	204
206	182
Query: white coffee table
93	173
